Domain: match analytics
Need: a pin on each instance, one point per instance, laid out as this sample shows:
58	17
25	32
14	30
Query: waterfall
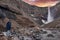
50	17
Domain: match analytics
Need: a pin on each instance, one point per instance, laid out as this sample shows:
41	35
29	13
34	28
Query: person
8	26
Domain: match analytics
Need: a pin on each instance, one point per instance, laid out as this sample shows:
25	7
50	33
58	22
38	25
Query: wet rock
22	38
54	32
25	38
43	32
37	36
50	35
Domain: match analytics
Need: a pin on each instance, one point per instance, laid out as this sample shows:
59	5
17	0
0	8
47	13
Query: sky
42	3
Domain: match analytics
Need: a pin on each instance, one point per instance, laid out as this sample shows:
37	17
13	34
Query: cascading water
50	17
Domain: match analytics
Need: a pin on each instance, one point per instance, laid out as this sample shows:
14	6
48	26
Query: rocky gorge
26	21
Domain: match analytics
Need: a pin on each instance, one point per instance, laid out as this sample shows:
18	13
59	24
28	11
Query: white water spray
50	17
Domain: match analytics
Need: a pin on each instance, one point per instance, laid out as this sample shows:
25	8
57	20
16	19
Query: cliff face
32	11
26	19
